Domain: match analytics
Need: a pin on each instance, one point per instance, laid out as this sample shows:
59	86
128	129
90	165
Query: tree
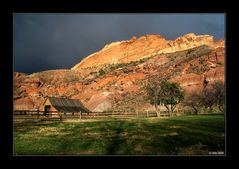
171	94
153	93
164	92
207	98
219	92
193	100
212	95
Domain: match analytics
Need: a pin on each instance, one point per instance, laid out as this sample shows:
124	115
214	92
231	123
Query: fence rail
36	114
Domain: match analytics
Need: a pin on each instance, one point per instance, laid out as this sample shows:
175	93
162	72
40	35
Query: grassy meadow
182	135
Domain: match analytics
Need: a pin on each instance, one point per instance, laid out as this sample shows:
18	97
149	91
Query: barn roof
67	105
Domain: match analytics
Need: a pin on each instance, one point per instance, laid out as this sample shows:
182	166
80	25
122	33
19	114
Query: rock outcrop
143	47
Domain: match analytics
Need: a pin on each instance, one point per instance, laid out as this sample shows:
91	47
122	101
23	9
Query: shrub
71	78
72	92
101	72
189	52
45	78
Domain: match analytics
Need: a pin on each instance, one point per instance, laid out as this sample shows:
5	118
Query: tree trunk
195	110
157	110
210	109
221	108
172	109
168	110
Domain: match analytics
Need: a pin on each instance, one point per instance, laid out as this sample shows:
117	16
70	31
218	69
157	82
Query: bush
189	52
72	92
198	69
45	78
113	67
93	73
71	78
102	72
19	93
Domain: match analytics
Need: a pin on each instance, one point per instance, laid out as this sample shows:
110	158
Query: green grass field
183	135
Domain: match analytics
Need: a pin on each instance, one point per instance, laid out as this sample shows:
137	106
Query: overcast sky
59	41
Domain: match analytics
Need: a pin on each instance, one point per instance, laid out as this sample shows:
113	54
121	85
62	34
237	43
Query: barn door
47	109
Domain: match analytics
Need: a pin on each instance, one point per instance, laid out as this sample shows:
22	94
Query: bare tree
208	98
219	94
193	100
212	95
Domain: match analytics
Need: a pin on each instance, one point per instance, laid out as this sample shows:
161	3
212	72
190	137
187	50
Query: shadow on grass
113	145
173	136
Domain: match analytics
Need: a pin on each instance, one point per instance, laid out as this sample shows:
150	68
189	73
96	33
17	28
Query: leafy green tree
171	94
164	93
153	93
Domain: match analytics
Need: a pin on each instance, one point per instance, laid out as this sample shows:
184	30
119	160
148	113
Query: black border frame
123	6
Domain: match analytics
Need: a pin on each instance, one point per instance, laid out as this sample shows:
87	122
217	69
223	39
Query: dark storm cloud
58	41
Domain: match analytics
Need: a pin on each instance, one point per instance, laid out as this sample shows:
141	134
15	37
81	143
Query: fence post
147	113
37	114
60	117
80	114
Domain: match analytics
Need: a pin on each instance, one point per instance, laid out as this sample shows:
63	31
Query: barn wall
49	103
52	108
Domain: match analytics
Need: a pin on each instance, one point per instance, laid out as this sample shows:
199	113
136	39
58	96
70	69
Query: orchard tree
164	93
214	95
193	100
171	94
211	96
153	93
219	95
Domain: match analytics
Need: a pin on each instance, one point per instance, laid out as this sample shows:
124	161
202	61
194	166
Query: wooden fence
51	115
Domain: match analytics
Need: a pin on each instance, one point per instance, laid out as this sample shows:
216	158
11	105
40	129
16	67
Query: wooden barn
64	106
